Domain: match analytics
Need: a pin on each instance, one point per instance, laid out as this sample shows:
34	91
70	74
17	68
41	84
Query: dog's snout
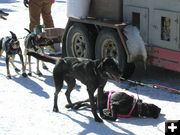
158	110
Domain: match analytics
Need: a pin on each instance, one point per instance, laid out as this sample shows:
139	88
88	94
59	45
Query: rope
22	37
154	86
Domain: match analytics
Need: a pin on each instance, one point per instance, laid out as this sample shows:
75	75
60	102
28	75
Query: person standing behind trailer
38	8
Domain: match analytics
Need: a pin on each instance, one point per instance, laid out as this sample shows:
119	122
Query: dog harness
122	115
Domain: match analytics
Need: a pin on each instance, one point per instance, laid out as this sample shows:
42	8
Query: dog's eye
17	43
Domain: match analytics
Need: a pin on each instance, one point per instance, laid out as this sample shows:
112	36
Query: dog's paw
68	106
39	74
24	74
30	74
55	110
17	70
76	107
106	117
98	120
9	77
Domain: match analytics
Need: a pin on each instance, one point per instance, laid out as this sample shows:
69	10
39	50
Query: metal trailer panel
159	24
107	9
151	28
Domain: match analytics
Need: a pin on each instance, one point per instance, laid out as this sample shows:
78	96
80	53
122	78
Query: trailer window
136	19
165	28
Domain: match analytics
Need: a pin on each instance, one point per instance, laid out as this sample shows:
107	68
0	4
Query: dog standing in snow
92	73
35	42
11	46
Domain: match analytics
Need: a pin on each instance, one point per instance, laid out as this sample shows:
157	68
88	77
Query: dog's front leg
29	63
38	71
11	60
99	101
23	66
93	106
7	66
100	106
26	59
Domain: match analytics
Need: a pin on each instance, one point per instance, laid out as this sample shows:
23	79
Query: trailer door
164	30
139	17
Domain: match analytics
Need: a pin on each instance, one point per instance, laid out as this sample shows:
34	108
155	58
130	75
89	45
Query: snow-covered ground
26	103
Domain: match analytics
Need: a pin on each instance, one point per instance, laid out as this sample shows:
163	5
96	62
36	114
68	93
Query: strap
108	101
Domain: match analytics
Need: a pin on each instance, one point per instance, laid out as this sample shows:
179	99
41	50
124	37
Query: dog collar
121	115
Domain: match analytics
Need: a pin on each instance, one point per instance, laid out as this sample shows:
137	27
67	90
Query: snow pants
38	8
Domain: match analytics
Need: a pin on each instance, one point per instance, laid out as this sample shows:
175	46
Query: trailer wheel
79	42
109	44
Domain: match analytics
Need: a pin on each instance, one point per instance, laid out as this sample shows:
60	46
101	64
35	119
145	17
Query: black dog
120	104
35	42
93	73
3	14
11	46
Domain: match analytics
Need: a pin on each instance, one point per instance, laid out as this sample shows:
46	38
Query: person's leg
46	14
34	13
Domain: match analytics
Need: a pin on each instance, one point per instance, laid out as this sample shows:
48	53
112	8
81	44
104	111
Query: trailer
101	33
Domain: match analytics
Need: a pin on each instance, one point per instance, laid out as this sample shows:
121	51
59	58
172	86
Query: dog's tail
27	30
43	57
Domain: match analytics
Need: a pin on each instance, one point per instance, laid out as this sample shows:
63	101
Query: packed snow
26	103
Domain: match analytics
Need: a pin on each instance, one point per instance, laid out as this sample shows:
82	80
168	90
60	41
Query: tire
129	70
79	42
108	44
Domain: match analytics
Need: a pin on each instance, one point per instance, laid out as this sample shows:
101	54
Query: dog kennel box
107	9
54	32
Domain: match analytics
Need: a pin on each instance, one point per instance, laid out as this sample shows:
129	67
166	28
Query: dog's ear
109	61
104	60
13	35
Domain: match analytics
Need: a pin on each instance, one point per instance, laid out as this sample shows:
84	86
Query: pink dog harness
121	115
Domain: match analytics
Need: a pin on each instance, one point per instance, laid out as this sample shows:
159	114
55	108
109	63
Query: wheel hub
78	45
109	49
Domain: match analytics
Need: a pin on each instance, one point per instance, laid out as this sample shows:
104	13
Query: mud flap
135	44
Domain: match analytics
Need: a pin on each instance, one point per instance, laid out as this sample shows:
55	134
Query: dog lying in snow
120	104
11	46
93	73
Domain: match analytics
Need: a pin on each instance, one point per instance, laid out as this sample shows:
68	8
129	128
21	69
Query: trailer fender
135	44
